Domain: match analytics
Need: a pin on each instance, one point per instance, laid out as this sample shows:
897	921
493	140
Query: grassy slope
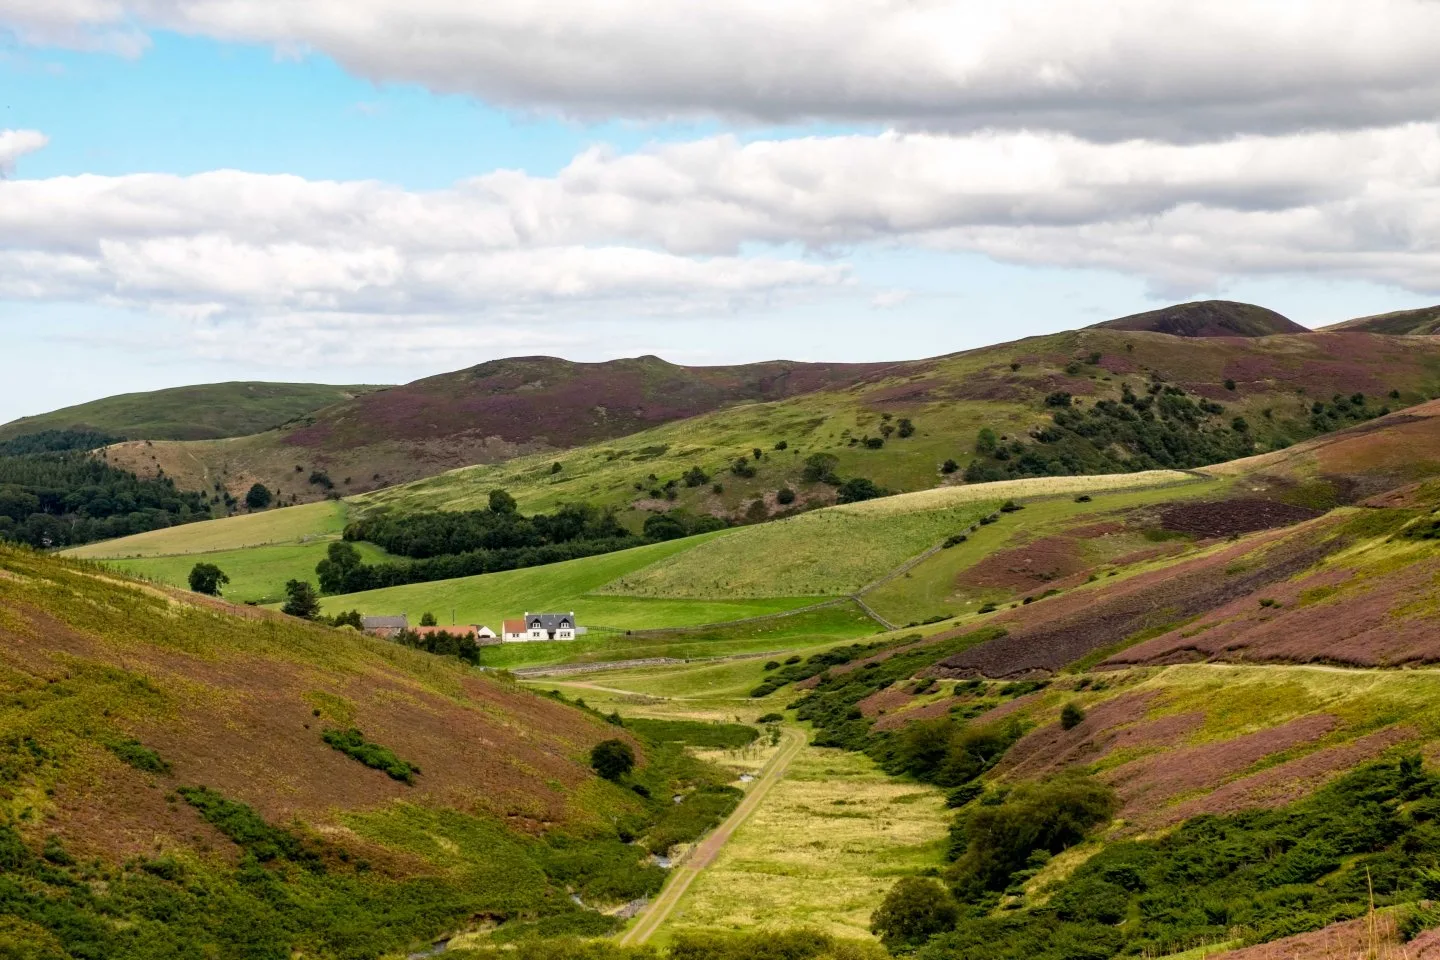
201	412
269	527
238	704
484	414
949	399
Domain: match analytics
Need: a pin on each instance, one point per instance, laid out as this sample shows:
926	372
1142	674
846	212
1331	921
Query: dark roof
549	621
385	623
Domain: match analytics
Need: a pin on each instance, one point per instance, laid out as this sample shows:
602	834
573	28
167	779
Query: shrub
555	467
259	497
949	467
906	428
1050	816
986	441
138	755
1059	399
785	496
772	665
781	445
321	479
741	467
1229	384
1010	506
820	468
857	489
770	718
427	619
695	477
353	744
1083	498
1072	716
914	910
612	759
207	578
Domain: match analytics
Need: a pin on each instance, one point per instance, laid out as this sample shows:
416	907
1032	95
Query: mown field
325	519
257	574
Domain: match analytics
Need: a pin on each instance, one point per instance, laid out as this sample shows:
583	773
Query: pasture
257	574
325	519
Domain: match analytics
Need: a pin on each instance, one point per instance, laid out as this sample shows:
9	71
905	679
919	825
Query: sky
371	191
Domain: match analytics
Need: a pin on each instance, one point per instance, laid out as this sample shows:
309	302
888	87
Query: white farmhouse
541	626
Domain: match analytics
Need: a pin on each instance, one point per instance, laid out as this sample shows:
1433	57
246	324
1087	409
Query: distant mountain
1423	321
1208	318
205	412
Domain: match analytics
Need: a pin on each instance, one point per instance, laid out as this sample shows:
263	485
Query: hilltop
205	412
1424	321
182	775
1210	318
899	427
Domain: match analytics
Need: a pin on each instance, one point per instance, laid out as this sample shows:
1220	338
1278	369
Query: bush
770	718
857	489
785	496
954	540
612	759
695	477
427	619
906	428
1050	816
949	467
138	755
1229	384
771	665
207	578
1072	716
259	497
820	468
781	445
914	910
742	468
353	744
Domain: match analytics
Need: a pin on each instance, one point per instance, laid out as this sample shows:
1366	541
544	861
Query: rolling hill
206	412
181	776
484	414
1271	383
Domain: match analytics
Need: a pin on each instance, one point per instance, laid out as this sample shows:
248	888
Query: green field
286	525
831	553
257	574
567	586
805	630
205	412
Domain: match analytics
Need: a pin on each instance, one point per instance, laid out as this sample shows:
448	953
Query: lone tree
914	910
259	497
207	578
301	600
612	759
1071	717
502	502
427	619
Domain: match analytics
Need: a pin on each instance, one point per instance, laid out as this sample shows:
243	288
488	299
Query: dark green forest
54	493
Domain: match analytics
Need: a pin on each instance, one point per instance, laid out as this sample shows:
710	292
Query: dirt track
704	854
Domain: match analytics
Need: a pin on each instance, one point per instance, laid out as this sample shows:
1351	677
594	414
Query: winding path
705	852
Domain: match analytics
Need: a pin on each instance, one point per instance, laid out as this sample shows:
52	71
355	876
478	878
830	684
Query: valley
1175	711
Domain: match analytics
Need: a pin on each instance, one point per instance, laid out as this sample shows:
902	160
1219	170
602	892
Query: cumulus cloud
14	144
1171	69
692	228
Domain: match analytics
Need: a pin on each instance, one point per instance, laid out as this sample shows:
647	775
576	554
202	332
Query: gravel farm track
708	849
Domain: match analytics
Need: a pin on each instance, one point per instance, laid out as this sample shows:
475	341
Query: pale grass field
284	525
1001	490
822	851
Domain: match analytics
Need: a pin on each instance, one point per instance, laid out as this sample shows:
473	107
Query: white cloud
692	229
14	144
1171	69
889	299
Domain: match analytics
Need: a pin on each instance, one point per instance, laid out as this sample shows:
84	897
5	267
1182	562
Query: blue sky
725	231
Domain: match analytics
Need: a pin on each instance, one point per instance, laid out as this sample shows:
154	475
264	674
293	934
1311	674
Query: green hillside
1237	396
205	412
257	574
1424	321
325	519
181	780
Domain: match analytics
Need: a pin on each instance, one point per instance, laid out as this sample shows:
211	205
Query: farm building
385	626
541	626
